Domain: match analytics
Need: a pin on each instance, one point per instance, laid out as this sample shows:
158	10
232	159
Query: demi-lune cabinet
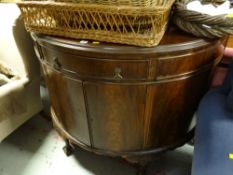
121	100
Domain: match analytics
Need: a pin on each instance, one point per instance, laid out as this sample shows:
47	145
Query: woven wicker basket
202	25
126	24
136	3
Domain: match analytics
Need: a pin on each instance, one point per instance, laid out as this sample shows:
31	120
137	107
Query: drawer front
184	64
110	69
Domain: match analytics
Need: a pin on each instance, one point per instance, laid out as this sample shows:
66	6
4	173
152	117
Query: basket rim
201	24
109	7
181	9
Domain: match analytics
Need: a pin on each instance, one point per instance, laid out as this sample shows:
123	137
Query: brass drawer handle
118	75
56	63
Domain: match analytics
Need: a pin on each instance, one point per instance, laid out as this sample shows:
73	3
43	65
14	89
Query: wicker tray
126	24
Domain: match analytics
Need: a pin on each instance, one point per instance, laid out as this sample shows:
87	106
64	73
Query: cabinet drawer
184	64
111	69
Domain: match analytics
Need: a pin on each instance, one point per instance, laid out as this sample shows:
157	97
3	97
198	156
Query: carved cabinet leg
68	148
141	170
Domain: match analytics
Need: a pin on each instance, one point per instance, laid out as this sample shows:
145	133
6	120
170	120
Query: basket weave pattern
141	26
201	25
139	3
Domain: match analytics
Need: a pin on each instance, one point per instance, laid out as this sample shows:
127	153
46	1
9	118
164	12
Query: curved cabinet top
174	41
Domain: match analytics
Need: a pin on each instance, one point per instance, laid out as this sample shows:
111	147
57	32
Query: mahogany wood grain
98	68
169	109
67	103
117	115
118	98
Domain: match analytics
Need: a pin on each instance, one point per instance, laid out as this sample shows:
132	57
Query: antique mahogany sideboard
121	100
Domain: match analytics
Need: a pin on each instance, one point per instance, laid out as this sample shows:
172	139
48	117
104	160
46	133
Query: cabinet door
68	102
170	108
116	115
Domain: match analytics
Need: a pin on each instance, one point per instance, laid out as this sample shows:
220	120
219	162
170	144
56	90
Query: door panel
116	114
68	102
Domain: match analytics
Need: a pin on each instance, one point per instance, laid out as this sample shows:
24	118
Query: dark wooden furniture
123	100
